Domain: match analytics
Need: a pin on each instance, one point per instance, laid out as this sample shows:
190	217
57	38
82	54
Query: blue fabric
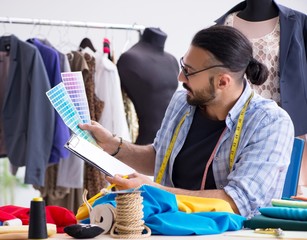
285	213
162	216
262	157
204	223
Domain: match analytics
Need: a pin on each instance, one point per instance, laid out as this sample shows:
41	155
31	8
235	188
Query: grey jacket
27	114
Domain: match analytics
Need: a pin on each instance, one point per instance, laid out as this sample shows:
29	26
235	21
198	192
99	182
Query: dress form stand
148	75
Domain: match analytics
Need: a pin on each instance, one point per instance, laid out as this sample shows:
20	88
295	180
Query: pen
102	192
114	185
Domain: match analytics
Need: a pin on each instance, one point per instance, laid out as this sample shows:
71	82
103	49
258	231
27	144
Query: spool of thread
37	224
13	222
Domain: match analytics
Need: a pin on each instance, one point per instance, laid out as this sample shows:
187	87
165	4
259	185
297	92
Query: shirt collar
234	112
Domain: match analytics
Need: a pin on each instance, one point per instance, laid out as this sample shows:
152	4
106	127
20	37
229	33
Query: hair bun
256	72
253	62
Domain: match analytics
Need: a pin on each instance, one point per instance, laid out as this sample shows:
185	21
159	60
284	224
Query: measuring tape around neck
237	135
233	147
169	150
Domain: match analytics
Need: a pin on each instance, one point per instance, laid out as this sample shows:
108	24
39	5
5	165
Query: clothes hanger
7	42
65	44
86	42
5	32
128	39
37	33
107	46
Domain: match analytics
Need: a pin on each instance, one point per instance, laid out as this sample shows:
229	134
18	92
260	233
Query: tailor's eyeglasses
187	74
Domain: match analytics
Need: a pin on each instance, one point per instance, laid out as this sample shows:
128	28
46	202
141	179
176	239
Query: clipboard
97	157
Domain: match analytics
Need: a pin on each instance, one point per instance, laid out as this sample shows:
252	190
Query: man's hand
103	137
134	180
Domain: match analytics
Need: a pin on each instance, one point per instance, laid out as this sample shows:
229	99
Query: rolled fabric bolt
13	222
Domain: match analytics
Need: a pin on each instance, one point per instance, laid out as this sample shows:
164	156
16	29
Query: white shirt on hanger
108	89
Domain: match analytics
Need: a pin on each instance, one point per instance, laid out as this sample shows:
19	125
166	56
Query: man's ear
224	80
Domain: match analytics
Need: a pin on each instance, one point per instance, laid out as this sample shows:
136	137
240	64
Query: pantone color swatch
69	100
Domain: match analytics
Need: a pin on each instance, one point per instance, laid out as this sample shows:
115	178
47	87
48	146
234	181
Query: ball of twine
129	214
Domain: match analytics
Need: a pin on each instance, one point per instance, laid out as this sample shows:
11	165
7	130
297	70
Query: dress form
148	75
255	12
258	10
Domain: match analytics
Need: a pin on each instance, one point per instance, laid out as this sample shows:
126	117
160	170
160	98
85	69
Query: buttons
221	186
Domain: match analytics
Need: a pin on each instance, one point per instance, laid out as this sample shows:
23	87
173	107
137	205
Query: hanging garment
95	104
94	180
27	115
64	64
66	166
108	90
4	69
61	132
70	172
66	195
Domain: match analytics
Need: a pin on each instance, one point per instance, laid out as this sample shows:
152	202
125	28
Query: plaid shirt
262	157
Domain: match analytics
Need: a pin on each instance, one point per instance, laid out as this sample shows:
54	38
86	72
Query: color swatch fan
72	111
74	85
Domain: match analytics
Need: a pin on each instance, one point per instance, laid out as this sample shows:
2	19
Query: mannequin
259	10
148	75
279	44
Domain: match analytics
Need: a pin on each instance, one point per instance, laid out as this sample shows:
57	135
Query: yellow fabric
191	204
185	203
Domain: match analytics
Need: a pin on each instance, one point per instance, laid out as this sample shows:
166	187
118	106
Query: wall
179	19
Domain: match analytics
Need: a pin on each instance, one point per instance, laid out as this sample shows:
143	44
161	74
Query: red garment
59	216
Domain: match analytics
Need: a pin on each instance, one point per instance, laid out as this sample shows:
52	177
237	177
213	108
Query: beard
201	97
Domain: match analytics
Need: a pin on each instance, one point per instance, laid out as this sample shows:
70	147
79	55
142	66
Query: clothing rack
47	22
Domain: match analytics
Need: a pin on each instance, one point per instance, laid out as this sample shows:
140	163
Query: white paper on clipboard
97	157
